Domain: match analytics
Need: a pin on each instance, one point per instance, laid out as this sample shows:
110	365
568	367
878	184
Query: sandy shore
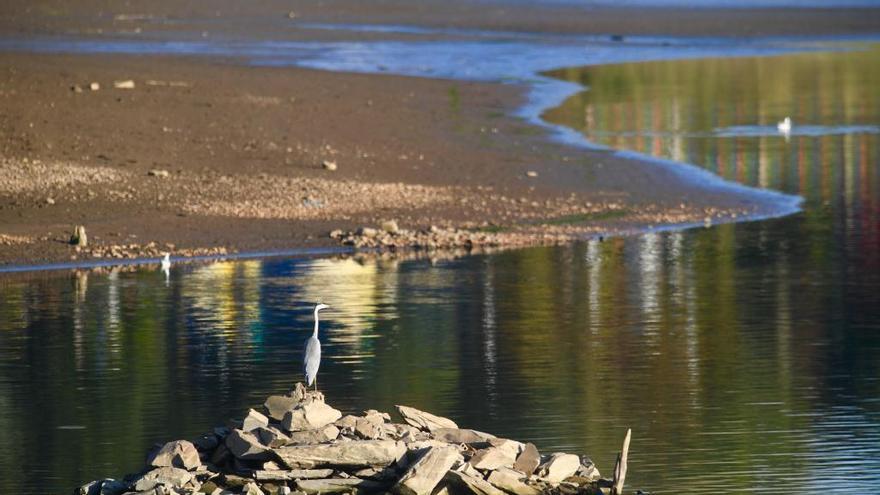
206	154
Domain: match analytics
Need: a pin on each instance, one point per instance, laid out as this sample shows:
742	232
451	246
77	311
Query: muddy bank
208	154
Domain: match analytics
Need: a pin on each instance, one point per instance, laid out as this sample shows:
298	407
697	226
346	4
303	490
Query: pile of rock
150	250
434	237
298	444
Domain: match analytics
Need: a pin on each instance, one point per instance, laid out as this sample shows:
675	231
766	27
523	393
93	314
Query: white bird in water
312	354
784	126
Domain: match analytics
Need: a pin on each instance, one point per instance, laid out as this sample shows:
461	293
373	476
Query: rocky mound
297	443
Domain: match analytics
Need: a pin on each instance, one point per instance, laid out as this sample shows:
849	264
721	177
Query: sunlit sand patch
27	176
9	240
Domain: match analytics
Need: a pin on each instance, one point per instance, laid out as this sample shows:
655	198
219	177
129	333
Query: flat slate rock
318	435
292	475
179	454
511	482
459	435
340	485
278	405
246	446
423	420
168	476
254	420
310	415
470	483
364	453
559	467
493	458
423	475
529	459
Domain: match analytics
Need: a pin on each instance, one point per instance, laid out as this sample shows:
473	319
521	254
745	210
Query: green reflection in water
721	114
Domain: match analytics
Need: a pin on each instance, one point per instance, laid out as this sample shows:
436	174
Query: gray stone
558	467
377	417
347	422
423	475
179	453
318	435
292	475
271	437
512	482
376	473
528	460
403	432
493	458
308	416
278	405
423	420
168	476
470	483
369	430
251	489
364	453
254	420
245	445
340	485
458	435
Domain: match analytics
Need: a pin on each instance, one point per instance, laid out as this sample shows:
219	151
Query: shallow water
745	357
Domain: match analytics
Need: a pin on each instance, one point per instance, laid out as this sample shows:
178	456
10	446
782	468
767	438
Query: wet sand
244	147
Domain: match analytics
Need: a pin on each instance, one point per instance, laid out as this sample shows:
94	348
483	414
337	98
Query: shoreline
525	179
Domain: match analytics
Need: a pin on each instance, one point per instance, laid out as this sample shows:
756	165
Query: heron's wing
311	359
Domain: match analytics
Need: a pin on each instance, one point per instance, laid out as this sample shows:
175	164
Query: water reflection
728	380
721	114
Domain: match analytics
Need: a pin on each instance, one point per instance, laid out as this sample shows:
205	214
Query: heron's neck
315	333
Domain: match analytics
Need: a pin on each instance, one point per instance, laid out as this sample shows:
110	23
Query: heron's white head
167	257
320	306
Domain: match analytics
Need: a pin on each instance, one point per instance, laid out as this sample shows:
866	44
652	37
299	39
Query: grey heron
312	354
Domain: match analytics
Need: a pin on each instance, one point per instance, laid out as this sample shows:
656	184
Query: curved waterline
489	57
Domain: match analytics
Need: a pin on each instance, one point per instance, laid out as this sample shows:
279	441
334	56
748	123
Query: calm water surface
744	357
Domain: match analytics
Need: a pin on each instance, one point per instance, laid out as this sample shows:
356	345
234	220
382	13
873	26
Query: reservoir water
745	357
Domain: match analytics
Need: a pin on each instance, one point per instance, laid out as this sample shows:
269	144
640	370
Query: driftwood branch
620	467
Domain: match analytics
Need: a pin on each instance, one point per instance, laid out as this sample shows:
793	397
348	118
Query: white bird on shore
784	126
312	354
166	267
